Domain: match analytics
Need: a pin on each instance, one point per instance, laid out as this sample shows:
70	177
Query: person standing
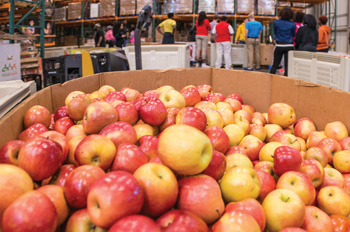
169	26
324	34
99	36
223	32
240	35
110	40
284	30
125	31
212	25
299	16
252	38
119	35
203	28
307	36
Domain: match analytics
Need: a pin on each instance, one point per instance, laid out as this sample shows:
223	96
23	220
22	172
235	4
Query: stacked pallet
127	7
266	7
246	6
225	6
107	8
142	3
207	6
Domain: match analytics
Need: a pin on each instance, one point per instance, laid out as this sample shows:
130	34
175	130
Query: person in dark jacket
119	35
284	30
307	36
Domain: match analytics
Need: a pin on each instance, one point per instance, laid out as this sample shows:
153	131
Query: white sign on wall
10	62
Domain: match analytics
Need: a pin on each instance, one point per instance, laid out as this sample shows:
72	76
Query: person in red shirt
223	32
203	28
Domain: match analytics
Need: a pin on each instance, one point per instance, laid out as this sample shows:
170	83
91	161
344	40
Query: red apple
129	158
345	143
127	112
236	221
120	132
191	95
37	114
62	125
113	196
152	111
241	114
218	138
9	152
268	184
170	118
156	160
97	150
334	201
201	195
316	220
314	171
151	93
214	97
235	96
130	94
217	166
32	211
59	178
293	229
61	112
330	147
32	131
76	107
40	157
340	223
304	127
115	96
234	103
252	145
346	183
318	154
135	223
71	96
78	183
80	221
314	139
332	177
193	117
286	159
266	166
149	145
258	131
74	131
236	149
204	90
58	138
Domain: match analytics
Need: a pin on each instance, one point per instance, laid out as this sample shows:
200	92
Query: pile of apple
166	160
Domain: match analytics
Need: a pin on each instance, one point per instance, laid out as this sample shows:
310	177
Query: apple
224	105
316	220
267	182
60	139
235	133
281	114
71	96
217	166
80	221
191	95
152	111
314	139
298	183
194	154
61	112
130	94
76	130
236	221
340	223
143	130
56	196
149	145
341	161
129	158
59	178
97	116
336	130
332	177
227	116
258	131
252	146
302	144
192	117
214	97
283	208
345	143
32	132
63	124
106	89
78	183
237	160
259	116
248	108
234	103
313	170
240	183
72	146
334	201
330	147
204	90
236	149
76	107
172	99
9	152
170	118
151	93
271	129
37	114
135	223
120	132
164	88
97	150
304	127
113	196
293	229
242	114
20	216
244	124
156	160
195	190
202	105
218	138
40	157
127	112
286	159
97	95
286	139
235	96
267	152
160	187
14	182
251	207
115	96
346	183
318	154
181	220
266	166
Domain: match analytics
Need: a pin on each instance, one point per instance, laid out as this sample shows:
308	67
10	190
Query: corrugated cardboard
226	6
246	6
74	10
207	6
127	7
266	7
107	8
321	104
141	3
266	54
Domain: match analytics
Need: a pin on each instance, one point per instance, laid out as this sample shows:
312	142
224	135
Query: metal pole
42	25
153	22
194	12
117	8
335	22
12	17
348	28
82	21
235	18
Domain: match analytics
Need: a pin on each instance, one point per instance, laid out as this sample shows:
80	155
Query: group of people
117	35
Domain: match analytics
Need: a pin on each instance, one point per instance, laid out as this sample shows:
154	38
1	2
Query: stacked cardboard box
107	8
245	6
207	6
183	6
94	10
299	5
284	4
60	14
142	3
266	7
127	7
169	6
225	6
74	10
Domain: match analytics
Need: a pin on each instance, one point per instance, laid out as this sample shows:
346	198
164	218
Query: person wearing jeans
203	27
284	30
252	34
223	32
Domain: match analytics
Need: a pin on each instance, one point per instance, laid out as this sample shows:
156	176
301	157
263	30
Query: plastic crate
239	55
320	68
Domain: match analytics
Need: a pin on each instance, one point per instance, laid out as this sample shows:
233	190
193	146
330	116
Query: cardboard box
207	6
74	10
266	54
266	7
107	8
225	6
257	89
141	3
246	6
94	10
60	14
127	7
